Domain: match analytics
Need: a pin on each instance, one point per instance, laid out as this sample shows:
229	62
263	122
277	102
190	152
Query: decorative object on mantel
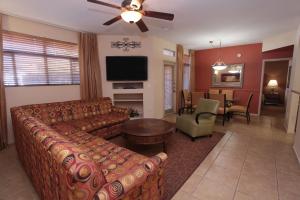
219	65
232	76
133	113
126	44
132	12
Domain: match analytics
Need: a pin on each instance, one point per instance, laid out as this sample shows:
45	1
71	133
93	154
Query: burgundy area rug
184	156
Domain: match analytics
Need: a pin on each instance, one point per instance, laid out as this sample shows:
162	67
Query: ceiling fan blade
113	20
159	15
142	26
104	4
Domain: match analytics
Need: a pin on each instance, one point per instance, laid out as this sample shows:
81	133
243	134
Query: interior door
169	88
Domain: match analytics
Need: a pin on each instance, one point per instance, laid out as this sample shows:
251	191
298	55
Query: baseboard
298	156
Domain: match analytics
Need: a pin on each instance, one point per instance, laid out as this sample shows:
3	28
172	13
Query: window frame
44	56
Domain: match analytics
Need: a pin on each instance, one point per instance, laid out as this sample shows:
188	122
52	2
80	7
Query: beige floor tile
259	169
283	195
213	190
226	176
191	184
238	152
263	187
229	161
181	195
288	184
241	196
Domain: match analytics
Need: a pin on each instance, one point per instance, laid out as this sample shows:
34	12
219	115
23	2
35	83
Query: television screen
126	68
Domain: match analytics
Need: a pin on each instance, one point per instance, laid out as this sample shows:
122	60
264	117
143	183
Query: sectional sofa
63	150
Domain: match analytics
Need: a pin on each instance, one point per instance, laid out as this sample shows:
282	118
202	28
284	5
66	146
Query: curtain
90	74
192	72
179	82
3	120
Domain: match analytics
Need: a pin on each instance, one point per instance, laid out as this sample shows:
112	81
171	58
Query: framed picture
232	76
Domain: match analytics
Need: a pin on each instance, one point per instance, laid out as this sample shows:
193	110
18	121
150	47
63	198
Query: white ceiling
196	21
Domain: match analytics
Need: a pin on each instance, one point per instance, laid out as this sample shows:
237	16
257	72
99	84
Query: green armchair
201	122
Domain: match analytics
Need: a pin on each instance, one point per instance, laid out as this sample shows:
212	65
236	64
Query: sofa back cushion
51	113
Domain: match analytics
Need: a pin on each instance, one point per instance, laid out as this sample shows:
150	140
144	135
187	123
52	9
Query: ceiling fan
132	12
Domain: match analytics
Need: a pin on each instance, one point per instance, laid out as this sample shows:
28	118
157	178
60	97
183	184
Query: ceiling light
219	65
131	16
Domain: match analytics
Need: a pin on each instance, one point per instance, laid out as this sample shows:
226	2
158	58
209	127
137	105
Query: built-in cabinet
129	95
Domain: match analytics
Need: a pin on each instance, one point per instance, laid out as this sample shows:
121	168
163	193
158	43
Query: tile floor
253	161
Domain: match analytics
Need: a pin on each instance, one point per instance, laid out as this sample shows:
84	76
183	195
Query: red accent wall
284	52
251	57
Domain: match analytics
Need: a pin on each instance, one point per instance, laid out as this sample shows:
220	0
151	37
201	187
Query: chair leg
228	116
224	117
248	118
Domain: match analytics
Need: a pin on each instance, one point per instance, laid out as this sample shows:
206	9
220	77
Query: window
168	52
30	60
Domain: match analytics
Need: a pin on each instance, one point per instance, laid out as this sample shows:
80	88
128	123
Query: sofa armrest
120	110
133	179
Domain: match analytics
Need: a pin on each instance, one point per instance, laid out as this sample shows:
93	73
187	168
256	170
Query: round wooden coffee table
148	131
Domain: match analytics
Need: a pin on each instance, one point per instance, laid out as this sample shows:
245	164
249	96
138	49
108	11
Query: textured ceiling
196	21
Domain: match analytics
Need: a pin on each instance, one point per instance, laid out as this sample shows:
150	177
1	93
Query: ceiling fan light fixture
131	16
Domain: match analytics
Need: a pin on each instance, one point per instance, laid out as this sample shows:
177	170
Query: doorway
169	88
275	81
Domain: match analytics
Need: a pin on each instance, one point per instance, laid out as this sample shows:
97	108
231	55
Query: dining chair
223	110
213	91
229	94
242	110
195	98
186	103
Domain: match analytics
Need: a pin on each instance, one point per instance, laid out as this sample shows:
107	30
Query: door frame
173	64
262	78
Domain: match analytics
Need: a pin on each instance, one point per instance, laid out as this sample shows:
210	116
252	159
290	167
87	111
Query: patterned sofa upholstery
59	147
96	117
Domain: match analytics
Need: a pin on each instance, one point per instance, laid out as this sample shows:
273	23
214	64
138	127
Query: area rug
184	156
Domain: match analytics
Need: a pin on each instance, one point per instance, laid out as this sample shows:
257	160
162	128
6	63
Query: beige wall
16	96
278	41
294	100
297	140
151	47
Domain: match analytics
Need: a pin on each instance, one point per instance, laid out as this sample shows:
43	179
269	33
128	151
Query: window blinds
30	60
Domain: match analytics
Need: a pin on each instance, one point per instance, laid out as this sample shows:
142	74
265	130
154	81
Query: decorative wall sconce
126	44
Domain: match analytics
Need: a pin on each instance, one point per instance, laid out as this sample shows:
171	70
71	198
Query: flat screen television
126	68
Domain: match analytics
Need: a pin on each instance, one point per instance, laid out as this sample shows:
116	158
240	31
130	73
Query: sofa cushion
114	161
108	119
82	124
89	124
64	128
